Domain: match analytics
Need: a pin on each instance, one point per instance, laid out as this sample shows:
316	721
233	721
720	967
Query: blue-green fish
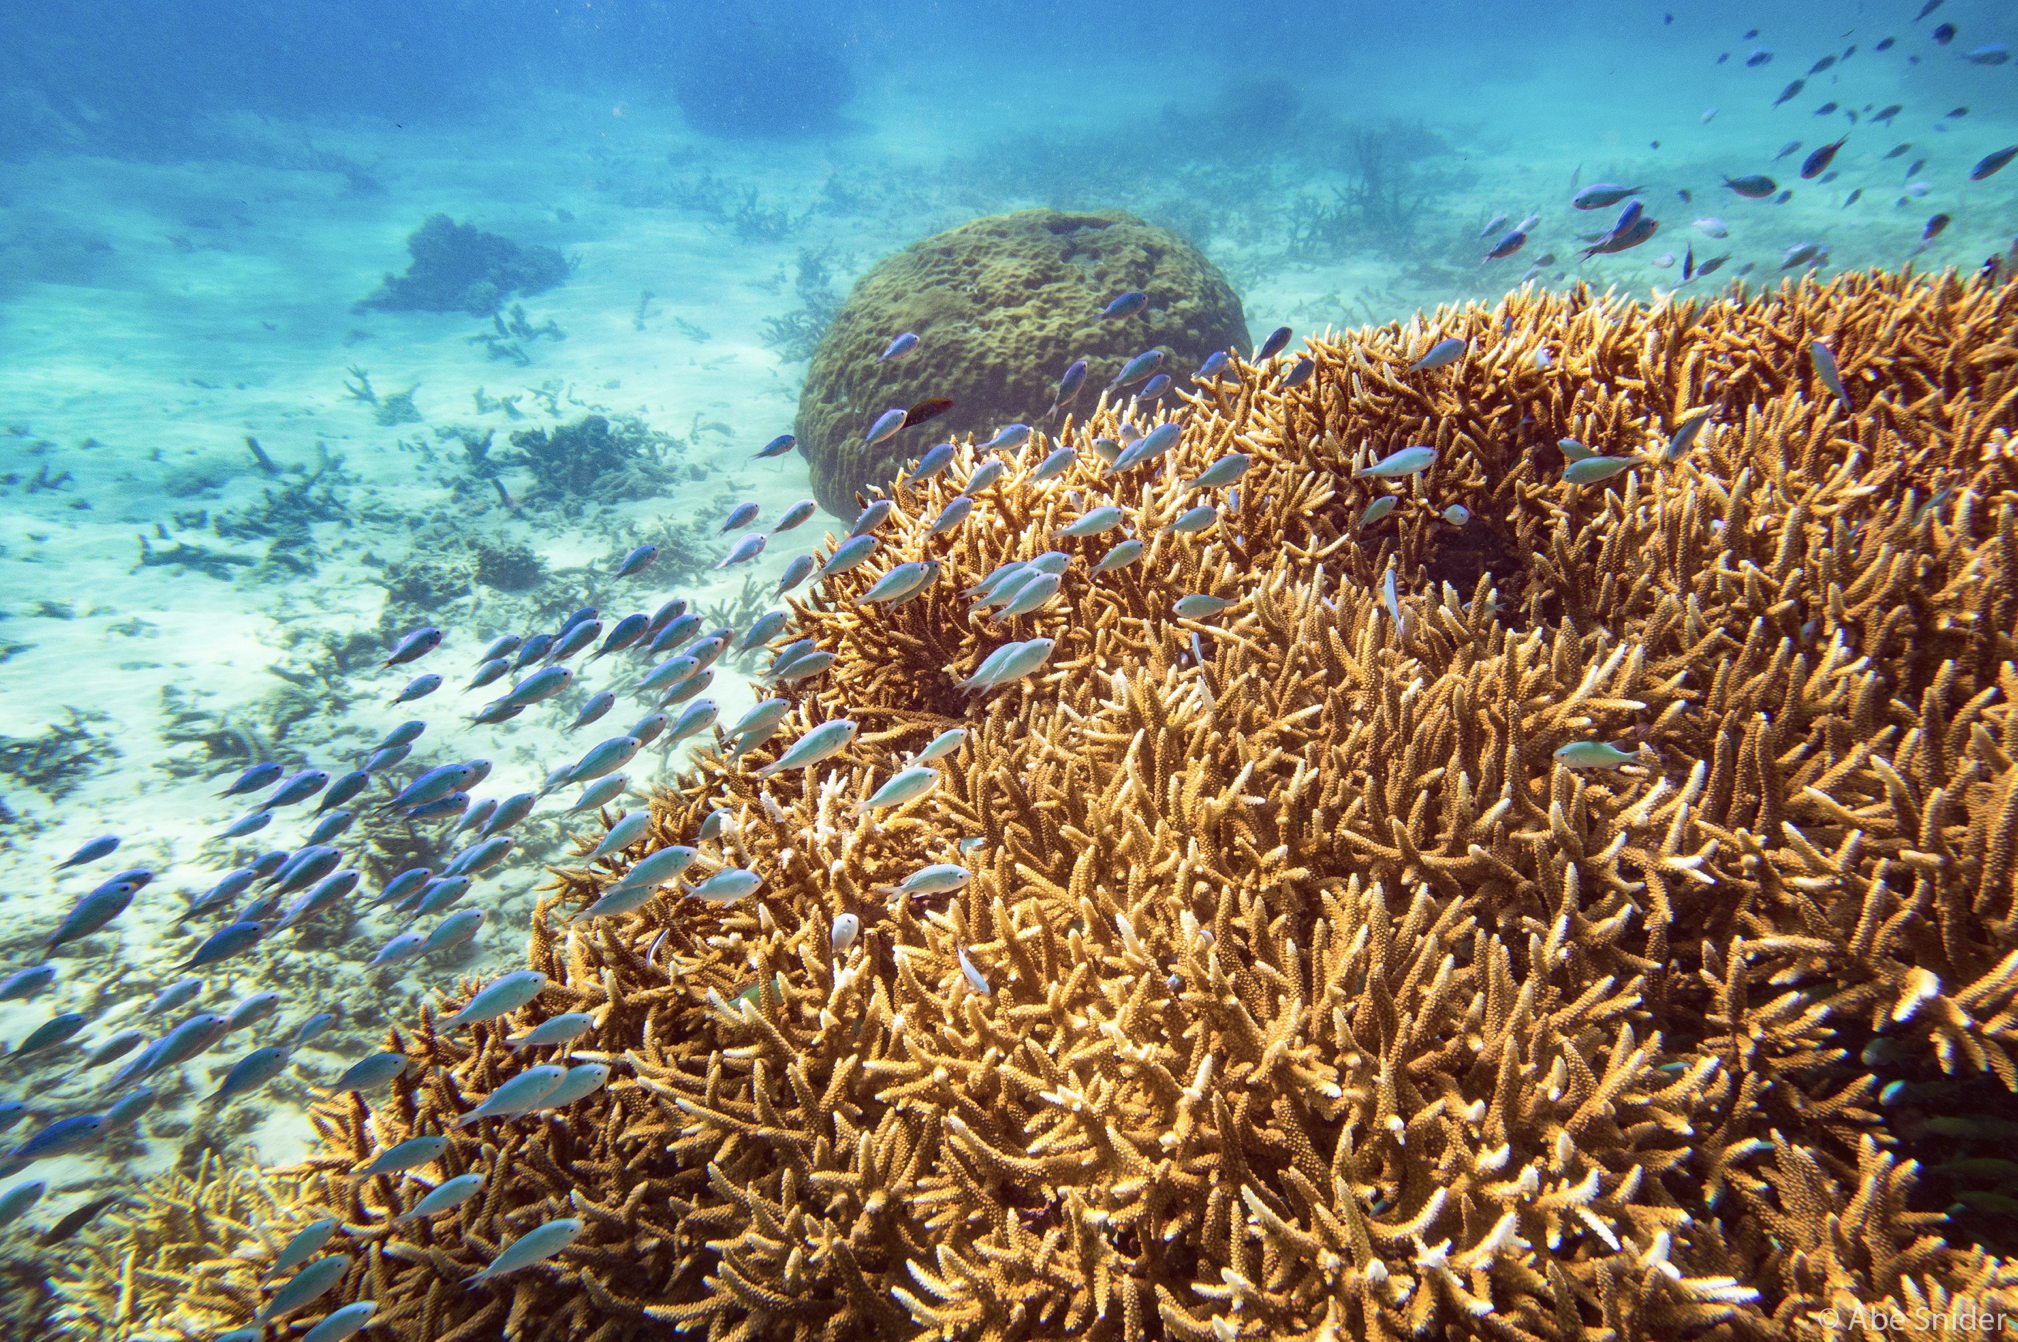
872	517
607	757
11	1112
582	1081
252	1071
656	868
599	703
1593	470
1199	606
487	673
233	940
621	835
60	1138
766	628
409	1154
677	631
1276	343
16	1201
1121	556
1684	436
974	976
907	786
886	424
1104	518
599	794
299	788
519	1095
1378	509
727	886
50	1033
1005	591
823	742
953	515
796	572
1018	660
453	930
341	1323
303	1245
1573	450
939	879
1137	368
777	447
509	812
1107	450
1824	360
1298	374
700	716
433	785
575	637
942	745
1389	597
305	1286
745	549
254	779
669	672
544	683
313	1028
372	1072
23	984
446	1196
562	1029
812	664
536	1245
129	1107
173	996
92	912
1441	354
247	824
1457	514
1193	520
503	996
1594	755
846	928
620	899
250	1011
400	949
440	894
1053	466
1394	466
899	581
986	474
478	857
116	1046
637	561
420	687
1149	447
1225	471
851	553
407	732
763	718
1030	595
794	515
346	787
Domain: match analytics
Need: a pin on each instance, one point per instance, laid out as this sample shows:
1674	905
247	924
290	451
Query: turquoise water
196	204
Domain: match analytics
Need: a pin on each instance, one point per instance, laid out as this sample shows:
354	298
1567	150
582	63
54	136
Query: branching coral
1300	989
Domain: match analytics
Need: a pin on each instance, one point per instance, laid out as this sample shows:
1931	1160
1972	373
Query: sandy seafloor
152	315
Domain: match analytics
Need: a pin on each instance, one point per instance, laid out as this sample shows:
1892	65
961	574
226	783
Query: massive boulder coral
1300	989
1000	307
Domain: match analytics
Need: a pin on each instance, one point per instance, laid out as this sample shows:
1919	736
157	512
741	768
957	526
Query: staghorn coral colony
1529	909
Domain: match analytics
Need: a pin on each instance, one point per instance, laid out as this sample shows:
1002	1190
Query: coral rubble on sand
1299	989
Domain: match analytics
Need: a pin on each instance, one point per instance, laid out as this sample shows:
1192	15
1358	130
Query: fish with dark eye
777	447
300	787
1441	355
1069	385
898	347
1137	368
886	424
1602	194
1276	343
872	517
930	408
745	549
1214	365
1755	187
1792	90
416	644
1507	246
1804	253
1821	65
1127	305
1816	163
418	688
933	462
1991	164
93	911
574	640
1758	58
741	516
1944	34
1154	387
532	650
255	779
90	852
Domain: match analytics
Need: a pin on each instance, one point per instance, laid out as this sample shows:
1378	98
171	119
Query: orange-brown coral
1311	995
